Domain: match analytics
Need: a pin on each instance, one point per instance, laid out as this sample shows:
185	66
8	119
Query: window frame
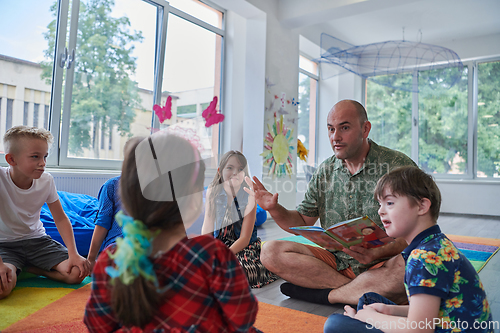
472	123
59	120
317	79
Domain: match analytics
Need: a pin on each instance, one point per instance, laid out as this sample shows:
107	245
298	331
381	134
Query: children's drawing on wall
283	101
295	105
281	116
269	84
278	145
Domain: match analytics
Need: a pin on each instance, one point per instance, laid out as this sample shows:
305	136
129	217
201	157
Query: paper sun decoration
278	147
164	112
210	114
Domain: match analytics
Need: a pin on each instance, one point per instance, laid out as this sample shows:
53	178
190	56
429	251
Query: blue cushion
81	210
261	216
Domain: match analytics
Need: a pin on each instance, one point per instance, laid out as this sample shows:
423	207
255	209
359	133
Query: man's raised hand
263	197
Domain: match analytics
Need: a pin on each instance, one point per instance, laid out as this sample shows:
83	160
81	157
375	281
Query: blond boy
24	188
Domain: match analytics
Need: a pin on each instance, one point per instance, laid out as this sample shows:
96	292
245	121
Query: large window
389	111
114	66
306	123
21	52
436	125
488	120
91	71
192	75
442	125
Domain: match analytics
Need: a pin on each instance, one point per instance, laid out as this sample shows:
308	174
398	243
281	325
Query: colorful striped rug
22	311
40	305
58	309
477	249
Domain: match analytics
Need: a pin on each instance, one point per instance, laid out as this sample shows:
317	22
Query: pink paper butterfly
164	112
210	114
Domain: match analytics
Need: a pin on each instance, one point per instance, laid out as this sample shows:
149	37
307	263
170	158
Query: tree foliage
104	95
443	123
488	127
389	111
443	120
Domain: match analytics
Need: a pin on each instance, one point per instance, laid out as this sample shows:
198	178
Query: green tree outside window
104	93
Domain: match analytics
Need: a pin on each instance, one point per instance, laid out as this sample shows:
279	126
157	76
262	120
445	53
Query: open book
361	231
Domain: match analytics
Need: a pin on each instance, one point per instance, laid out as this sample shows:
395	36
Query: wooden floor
477	226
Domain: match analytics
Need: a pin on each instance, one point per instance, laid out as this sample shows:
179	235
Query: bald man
340	189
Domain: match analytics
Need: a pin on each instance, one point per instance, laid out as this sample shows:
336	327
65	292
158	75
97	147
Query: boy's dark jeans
339	323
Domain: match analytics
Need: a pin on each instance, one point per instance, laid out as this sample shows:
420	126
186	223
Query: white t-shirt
20	209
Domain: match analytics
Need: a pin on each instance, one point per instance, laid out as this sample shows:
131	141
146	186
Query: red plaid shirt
210	291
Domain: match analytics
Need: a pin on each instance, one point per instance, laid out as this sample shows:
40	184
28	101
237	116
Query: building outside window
36	109
25	113
8	120
46	117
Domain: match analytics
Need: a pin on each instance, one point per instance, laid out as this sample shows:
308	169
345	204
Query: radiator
80	182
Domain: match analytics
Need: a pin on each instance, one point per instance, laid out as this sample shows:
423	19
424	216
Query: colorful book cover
361	231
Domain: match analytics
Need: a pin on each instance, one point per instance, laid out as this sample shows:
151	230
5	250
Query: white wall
475	47
282	70
244	81
258	47
478	197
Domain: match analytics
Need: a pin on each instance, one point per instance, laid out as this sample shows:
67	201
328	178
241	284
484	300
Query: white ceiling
369	21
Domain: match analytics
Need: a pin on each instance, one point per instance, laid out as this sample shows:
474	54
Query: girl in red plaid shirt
156	279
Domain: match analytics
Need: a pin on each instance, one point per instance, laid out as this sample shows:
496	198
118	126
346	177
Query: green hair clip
132	252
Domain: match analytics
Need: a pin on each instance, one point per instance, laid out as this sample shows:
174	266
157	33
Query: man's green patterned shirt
334	195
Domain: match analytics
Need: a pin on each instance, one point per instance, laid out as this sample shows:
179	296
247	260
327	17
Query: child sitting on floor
445	293
230	213
24	188
156	278
106	228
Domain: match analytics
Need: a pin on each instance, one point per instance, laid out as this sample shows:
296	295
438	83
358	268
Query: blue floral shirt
434	266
